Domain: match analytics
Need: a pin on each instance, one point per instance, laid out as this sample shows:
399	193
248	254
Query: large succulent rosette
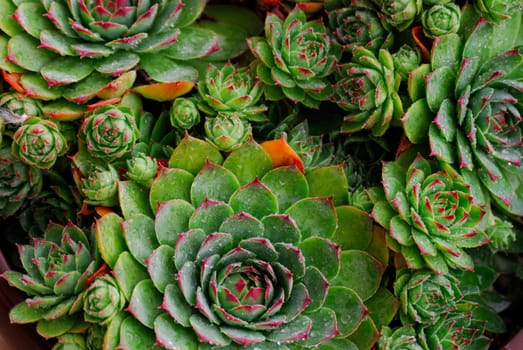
295	58
235	253
367	88
57	268
470	105
19	182
82	49
430	214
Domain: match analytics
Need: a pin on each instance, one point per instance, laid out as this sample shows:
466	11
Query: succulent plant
400	14
367	88
441	19
99	185
39	143
57	270
425	296
231	91
359	26
71	341
430	214
229	255
497	10
469	105
401	338
184	113
19	182
295	58
141	169
22	106
94	337
406	59
110	132
103	300
227	132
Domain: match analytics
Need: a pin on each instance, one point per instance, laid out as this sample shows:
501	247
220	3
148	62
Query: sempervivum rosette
400	14
227	132
231	91
430	214
367	88
470	105
498	10
295	58
236	253
57	269
402	338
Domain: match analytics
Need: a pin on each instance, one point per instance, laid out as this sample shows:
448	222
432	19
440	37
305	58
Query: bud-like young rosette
406	59
402	338
295	58
425	296
19	104
227	132
441	19
184	113
57	269
19	182
103	300
39	142
430	214
367	88
498	10
400	14
100	185
70	341
142	169
110	132
231	90
230	252
355	26
94	337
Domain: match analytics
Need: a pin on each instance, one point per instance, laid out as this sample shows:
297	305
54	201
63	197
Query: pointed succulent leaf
140	237
416	121
145	303
281	228
22	313
322	223
242	226
288	185
329	181
161	268
128	272
172	183
135	335
22	49
248	162
56	327
323	254
191	154
193	42
254	198
171	335
213	182
187	246
172	218
298	329
209	215
349	308
207	332
133	199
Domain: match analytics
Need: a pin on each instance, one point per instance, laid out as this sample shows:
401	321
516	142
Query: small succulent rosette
231	252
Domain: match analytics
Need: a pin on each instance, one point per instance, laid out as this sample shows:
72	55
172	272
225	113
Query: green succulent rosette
425	296
367	88
229	252
57	267
441	19
406	59
103	300
231	91
467	105
20	105
498	10
184	113
295	58
70	341
19	182
141	169
39	143
99	185
430	215
110	132
401	338
227	132
400	14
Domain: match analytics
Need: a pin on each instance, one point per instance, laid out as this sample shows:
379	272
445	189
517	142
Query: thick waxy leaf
165	70
317	286
324	325
192	154
329	181
243	336
360	272
210	215
8	24
288	185
62	110
140	237
66	70
349	308
172	218
323	254
145	303
193	42
188	278
297	302
416	121
314	216
175	304
161	267
118	86
128	272
242	226
416	82
298	329
23	313
23	50
383	306
281	228
262	247
56	327
170	184
440	83
213	182
446	51
207	332
354	229
248	162
134	335
173	336
164	91
87	88
366	335
187	246
254	198
133	199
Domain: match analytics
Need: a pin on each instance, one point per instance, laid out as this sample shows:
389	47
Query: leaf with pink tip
292	258
207	332
210	215
133	199
27	284
161	268
163	69
86	89
57	327
214	182
193	42
66	70
176	305
323	254
171	335
172	218
329	181
187	246
128	272
63	110
248	162
8	24
5	64
244	337
22	313
299	329
281	228
324	327
22	49
254	198
242	226
297	302
170	184
118	86
145	303
188	278
317	286
288	185
262	247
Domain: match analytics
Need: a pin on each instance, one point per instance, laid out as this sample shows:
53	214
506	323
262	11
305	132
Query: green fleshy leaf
323	254
292	258
217	243
298	329
87	88
314	217
176	305
140	237
161	267
440	86
166	70
412	257
134	335
243	336
360	272
383	306
112	334
288	185
210	215
281	228
133	199
254	198
118	62
23	50
329	181
56	327
242	226
324	326
337	344
172	218
192	42
36	86
446	51
262	50
8	24
317	286
263	249
188	278
349	308
22	313
416	83
383	213
172	335
401	231
366	335
187	246
416	121
439	147
191	154
67	70
213	182
354	229
248	162
145	303
207	332
5	64
128	272
479	42
171	183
